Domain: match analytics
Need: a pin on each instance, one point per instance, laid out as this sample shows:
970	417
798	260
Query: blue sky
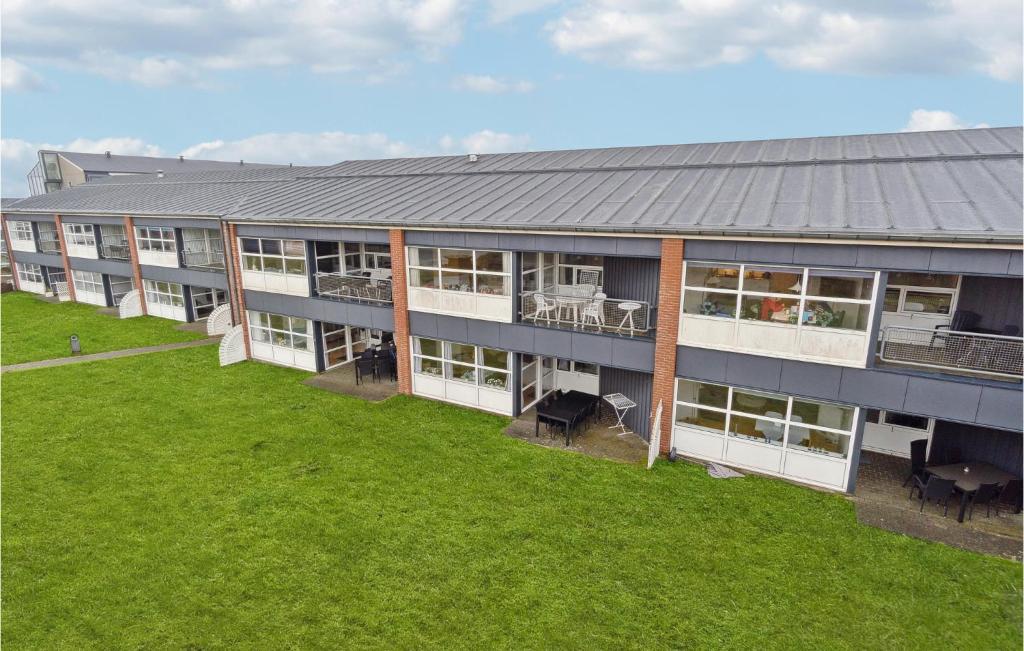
317	81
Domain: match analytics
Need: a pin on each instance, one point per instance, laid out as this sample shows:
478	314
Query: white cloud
491	85
870	37
302	148
16	76
925	120
163	42
503	10
484	142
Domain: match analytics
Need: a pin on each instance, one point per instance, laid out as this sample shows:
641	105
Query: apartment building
787	303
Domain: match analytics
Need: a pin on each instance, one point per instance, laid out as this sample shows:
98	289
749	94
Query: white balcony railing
352	287
202	258
586	311
115	250
49	246
953	350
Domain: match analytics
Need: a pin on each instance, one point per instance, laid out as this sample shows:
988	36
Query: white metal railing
945	349
59	284
353	287
49	246
586	310
202	258
115	250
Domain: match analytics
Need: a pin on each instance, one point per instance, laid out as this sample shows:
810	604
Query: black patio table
566	410
969	475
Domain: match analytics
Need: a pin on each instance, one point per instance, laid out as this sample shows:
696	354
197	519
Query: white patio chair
589	277
594	311
544	307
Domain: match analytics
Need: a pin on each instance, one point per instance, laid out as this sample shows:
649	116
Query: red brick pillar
133	254
64	256
400	296
666	337
10	252
235	287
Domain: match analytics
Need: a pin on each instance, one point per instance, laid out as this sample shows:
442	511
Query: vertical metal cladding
632	278
400	299
636	386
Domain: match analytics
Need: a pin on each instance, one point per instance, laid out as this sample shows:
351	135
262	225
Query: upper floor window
461	270
156	238
51	167
79	235
274	256
20	231
916	293
351	257
577	269
376	256
819	298
48	239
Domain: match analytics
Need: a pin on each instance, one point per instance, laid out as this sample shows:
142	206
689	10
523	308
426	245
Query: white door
890	432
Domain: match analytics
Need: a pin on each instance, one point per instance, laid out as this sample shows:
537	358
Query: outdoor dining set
378	364
585	305
978	483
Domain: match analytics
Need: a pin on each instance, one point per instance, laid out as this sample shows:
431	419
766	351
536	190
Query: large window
119	287
51	167
274	256
538	272
29	273
816	298
87	281
79	235
160	293
156	238
49	241
461	270
20	231
485	367
279	330
913	293
351	257
577	269
203	247
767	418
206	299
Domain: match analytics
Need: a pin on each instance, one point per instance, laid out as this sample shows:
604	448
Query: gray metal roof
949	186
146	164
8	202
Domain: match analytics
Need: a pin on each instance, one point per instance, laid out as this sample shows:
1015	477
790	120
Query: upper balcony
114	243
362	287
202	248
49	241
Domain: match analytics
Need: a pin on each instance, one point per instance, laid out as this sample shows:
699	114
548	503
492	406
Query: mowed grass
32	330
167	503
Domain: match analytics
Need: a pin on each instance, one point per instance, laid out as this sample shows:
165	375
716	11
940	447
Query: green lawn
168	503
31	329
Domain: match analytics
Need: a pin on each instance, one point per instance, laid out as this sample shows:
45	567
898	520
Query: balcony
353	287
115	250
203	259
953	351
578	308
49	246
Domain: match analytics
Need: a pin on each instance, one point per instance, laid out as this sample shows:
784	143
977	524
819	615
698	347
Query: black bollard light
76	346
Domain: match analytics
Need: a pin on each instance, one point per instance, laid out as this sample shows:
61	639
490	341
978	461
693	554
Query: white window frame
51	234
117	288
29	272
478	366
952	292
21	231
88	281
155	239
439	270
576	269
256	262
76	234
261	325
219	297
159	292
544	273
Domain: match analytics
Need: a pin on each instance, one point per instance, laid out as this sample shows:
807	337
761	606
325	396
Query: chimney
108	154
159	174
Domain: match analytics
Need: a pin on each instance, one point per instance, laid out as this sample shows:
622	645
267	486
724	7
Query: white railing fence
203	258
585	311
115	250
354	288
946	349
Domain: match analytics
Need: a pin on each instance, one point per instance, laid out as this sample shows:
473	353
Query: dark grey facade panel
620	352
29	257
28	217
1016	266
177	222
994	262
632	278
372	235
218	280
116	267
606	245
999	301
93	219
318	309
638	387
594	245
999	448
953	398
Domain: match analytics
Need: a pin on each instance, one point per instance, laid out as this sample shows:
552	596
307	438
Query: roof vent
159	174
241	162
473	158
107	154
181	159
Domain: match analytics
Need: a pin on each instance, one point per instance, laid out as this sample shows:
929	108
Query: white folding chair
544	307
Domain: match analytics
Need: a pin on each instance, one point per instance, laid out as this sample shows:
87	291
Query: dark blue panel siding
637	387
632	278
953	398
218	280
28	257
92	219
28	218
177	222
995	262
997	300
603	245
317	309
623	352
999	448
116	267
371	235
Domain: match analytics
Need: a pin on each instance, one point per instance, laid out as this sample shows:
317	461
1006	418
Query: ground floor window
88	281
537	378
343	343
119	287
476	365
206	299
29	273
159	292
282	331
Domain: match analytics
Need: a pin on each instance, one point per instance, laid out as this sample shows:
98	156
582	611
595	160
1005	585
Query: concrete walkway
113	354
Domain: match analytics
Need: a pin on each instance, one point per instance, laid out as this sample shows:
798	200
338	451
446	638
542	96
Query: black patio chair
936	489
962	321
365	366
1011	495
986	494
918	449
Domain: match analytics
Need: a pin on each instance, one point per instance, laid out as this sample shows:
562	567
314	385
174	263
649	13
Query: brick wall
400	296
669	295
64	256
10	253
235	285
133	253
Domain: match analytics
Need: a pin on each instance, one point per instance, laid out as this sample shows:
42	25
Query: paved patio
343	380
881	501
595	440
